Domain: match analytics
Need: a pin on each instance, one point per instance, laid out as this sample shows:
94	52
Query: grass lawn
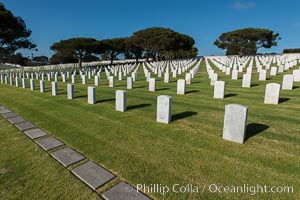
190	150
27	172
4	67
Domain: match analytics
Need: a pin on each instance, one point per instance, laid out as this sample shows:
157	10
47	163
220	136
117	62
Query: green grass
27	172
5	67
190	150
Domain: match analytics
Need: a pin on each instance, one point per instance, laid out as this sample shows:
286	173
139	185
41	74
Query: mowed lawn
27	172
139	150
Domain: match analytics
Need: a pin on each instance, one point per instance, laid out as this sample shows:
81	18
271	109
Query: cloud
243	5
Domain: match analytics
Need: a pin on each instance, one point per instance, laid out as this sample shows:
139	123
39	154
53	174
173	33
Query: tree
162	43
18	59
62	57
80	48
40	60
182	46
112	48
132	49
246	41
296	50
13	34
153	40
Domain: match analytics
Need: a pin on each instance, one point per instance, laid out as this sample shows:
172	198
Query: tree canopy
13	34
296	50
163	43
246	41
79	48
112	47
157	43
132	49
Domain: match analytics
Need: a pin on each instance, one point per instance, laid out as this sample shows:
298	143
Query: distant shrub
296	50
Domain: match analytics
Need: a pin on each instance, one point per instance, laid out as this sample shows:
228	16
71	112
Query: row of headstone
224	65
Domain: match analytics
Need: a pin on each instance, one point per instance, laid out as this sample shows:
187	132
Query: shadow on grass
254	85
105	100
120	85
230	95
267	79
162	89
295	87
254	129
192	91
195	82
80	96
138	106
183	115
282	100
61	93
140	87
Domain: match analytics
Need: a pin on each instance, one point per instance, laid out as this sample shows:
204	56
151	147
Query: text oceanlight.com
212	188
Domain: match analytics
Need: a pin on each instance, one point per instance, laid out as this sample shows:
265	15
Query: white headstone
152	85
273	71
159	73
111	81
166	78
11	80
96	80
249	70
148	75
164	109
246	81
235	121
228	70
17	81
42	86
133	76
262	75
219	90
235	74
91	95
120	75
287	83
70	91
188	78
24	83
272	93
180	86
129	83
121	100
213	79
174	73
296	74
32	84
63	78
54	88
73	78
83	81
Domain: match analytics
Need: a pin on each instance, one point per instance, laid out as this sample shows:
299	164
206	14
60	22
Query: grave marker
235	120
